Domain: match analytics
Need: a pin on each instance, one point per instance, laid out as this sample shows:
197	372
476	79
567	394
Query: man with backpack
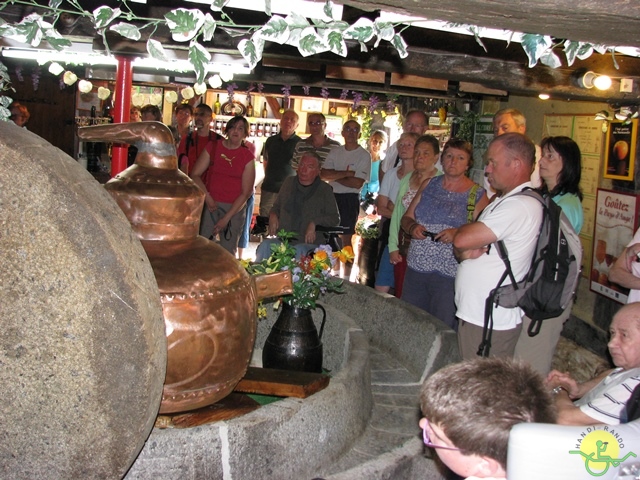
514	219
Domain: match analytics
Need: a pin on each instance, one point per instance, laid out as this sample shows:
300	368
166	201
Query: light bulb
544	96
602	82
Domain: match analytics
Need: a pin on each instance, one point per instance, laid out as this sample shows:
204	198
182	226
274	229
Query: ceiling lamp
544	96
591	79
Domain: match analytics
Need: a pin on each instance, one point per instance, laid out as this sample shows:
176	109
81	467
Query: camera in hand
430	235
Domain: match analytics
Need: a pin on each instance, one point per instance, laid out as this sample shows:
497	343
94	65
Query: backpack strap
471	202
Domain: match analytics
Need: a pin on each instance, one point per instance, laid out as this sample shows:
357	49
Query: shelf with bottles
258	127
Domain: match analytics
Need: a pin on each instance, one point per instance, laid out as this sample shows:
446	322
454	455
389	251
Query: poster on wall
620	151
615	224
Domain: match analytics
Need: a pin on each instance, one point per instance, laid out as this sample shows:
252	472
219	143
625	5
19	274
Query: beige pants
539	350
503	342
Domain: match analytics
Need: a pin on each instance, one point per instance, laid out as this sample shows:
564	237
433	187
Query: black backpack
551	282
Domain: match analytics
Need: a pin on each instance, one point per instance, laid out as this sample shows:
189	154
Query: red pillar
122	107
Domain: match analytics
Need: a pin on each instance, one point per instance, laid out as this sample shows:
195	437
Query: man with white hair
602	399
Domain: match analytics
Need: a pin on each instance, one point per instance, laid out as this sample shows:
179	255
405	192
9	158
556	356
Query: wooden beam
416	81
357	74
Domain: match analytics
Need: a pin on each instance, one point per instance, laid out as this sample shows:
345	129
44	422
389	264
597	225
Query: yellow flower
345	255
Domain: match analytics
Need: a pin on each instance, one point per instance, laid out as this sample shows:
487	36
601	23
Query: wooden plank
282	383
406	80
356	74
231	406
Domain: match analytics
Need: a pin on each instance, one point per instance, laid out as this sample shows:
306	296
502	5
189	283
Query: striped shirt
606	401
305	146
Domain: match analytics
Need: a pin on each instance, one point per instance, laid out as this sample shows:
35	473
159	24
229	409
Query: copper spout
154	141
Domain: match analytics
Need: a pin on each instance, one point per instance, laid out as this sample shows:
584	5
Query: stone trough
327	434
83	352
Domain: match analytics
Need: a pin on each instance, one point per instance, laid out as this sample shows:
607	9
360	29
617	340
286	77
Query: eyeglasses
429	443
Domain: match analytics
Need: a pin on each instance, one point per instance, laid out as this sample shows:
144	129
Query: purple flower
305	88
324	92
344	94
251	88
231	88
357	98
373	103
260	87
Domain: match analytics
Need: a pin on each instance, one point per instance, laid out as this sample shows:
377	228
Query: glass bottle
249	107
216	105
264	110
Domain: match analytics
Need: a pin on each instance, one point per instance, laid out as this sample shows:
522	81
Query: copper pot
208	299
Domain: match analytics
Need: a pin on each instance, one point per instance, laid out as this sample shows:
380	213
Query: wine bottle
216	105
249	107
264	110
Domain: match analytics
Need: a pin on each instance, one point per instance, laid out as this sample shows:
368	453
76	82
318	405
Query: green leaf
127	30
267	7
252	50
571	51
535	46
184	24
103	16
233	32
58	43
5	101
335	42
384	30
362	30
311	43
476	35
156	50
400	45
217	5
199	58
550	59
580	50
55	3
31	32
328	9
275	30
208	28
4	112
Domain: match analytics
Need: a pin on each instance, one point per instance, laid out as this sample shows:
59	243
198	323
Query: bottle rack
258	127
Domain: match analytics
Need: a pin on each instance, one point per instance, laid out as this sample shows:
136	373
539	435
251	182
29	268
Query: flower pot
294	343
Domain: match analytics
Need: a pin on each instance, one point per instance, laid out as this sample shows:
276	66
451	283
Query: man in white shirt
514	219
346	169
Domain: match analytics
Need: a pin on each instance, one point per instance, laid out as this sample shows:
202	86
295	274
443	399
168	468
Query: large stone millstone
82	343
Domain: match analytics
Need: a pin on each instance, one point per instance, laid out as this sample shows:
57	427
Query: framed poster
620	152
615	224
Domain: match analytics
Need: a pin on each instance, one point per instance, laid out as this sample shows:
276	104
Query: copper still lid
160	201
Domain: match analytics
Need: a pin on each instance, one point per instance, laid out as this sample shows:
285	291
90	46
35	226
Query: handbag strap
471	202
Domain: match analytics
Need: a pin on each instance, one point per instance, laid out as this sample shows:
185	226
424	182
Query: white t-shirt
606	401
390	184
390	157
515	219
357	160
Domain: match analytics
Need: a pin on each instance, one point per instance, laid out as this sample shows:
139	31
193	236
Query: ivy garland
310	36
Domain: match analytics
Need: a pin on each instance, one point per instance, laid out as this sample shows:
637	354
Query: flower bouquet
311	275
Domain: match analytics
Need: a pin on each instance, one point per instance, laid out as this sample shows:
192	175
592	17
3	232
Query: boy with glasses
469	409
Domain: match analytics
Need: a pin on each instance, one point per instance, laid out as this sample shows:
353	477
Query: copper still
208	300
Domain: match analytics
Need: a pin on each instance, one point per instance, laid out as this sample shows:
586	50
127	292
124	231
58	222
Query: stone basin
328	434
